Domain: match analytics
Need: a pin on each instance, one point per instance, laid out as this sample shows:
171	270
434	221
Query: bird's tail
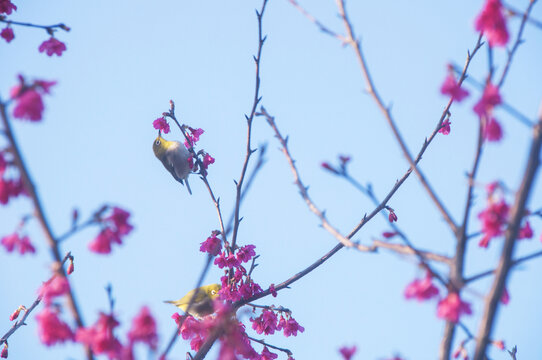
174	302
188	186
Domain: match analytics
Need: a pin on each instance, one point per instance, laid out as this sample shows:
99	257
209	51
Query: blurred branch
250	118
516	43
505	263
514	12
355	44
315	21
288	352
40	215
409	250
514	263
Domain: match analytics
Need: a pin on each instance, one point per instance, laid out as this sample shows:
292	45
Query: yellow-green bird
203	301
175	158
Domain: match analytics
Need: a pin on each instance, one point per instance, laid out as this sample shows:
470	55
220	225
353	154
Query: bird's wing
177	162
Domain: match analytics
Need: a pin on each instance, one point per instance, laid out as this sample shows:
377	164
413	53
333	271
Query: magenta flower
392	216
526	232
6	7
492	24
9	242
272	290
119	218
445	128
57	286
328	167
102	243
100	337
389	234
51	329
421	289
249	289
505	298
492	130
452	307
4	353
490	98
144	329
161	124
208	160
289	327
228	261
348	352
212	245
493	218
266	323
16	313
453	89
7	34
116	226
246	253
25	246
28	106
267	355
52	46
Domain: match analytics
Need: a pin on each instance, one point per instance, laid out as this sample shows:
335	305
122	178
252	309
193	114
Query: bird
175	157
203	301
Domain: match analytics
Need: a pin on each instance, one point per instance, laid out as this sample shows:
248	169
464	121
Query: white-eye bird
203	301
175	157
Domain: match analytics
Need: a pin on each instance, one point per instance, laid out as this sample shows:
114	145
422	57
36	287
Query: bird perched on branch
175	157
203	300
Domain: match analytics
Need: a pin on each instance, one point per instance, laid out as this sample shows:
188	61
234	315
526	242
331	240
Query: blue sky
127	59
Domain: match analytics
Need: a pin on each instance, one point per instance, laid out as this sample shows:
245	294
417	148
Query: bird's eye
213	292
157	142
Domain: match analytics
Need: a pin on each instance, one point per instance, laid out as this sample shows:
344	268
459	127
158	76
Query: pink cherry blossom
348	352
52	46
526	232
392	216
51	329
490	98
452	307
119	218
100	337
266	323
228	261
445	128
493	218
246	253
492	130
25	246
272	290
421	289
7	34
267	355
389	234
28	106
289	327
453	89
213	245
116	226
58	285
144	329
505	298
9	242
208	160
161	124
4	353
492	23
6	7
102	243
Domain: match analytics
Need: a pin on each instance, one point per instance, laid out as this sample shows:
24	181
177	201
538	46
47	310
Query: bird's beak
159	133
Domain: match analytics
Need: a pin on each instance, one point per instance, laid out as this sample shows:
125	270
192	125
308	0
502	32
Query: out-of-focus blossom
51	329
452	308
492	23
52	46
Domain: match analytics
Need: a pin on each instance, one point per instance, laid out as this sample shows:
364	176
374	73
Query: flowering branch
288	352
27	311
250	118
514	263
505	263
40	215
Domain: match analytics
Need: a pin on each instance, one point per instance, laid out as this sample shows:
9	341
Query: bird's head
212	290
159	146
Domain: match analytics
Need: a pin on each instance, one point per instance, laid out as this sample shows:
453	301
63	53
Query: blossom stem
46	27
288	352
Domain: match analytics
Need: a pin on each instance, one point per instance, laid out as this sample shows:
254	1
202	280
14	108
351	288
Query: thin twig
321	26
249	118
288	352
518	41
62	26
514	263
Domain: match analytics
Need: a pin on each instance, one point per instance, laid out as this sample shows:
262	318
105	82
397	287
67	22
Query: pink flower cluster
212	245
494	219
52	46
237	285
52	330
7	7
7	34
162	125
14	241
491	97
28	101
9	187
451	87
268	322
492	24
193	137
115	227
449	308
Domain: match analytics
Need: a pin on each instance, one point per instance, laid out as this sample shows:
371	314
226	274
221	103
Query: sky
126	59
